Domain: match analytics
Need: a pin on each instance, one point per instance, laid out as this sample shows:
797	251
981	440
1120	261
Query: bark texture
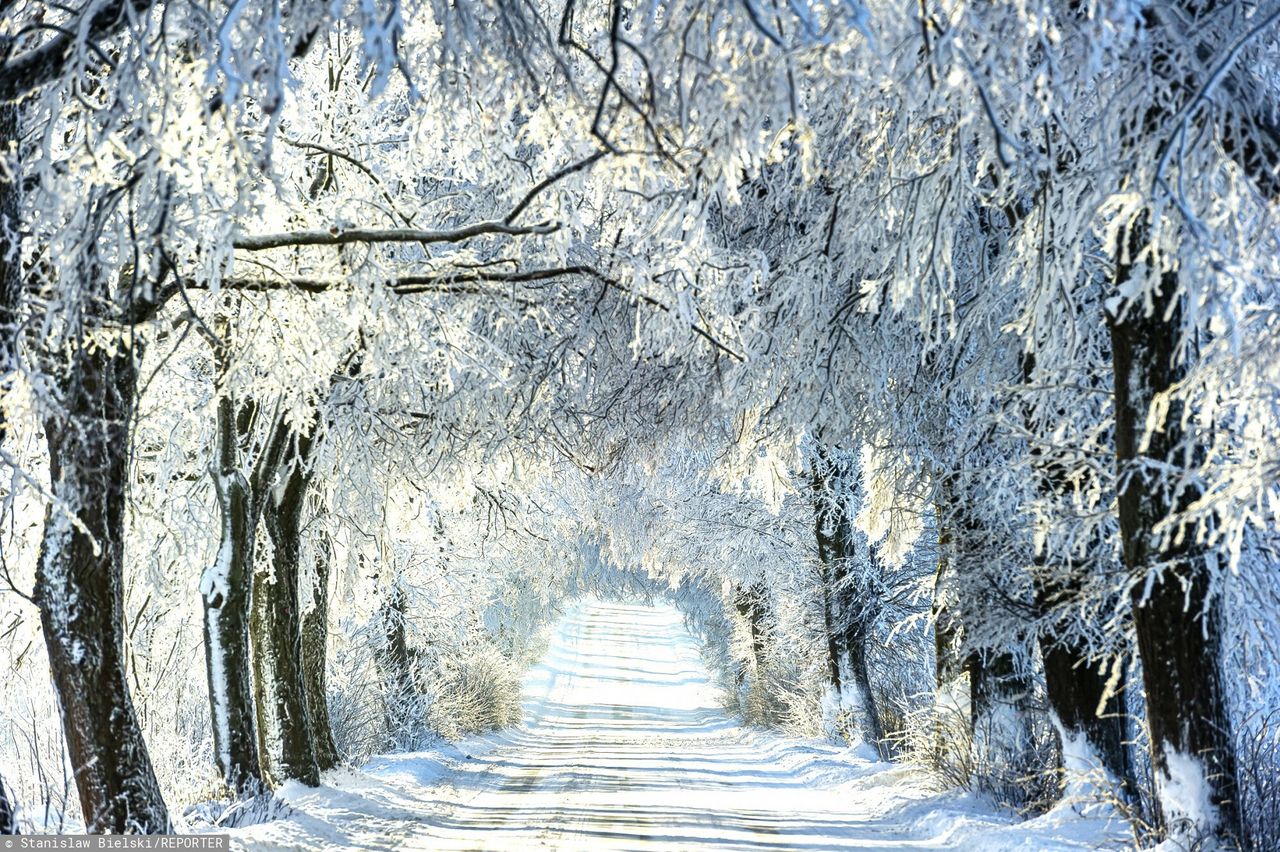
294	732
225	594
286	744
10	265
315	642
79	588
1177	619
1076	686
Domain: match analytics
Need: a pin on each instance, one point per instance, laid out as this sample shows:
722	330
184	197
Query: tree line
985	292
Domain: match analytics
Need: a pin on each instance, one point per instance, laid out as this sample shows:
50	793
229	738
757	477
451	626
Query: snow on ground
624	746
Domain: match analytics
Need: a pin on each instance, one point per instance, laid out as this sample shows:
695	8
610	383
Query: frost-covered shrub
939	736
1001	772
32	751
476	690
457	683
356	702
936	736
795	689
1259	757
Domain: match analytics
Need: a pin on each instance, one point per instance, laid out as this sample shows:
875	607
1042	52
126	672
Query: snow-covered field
624	746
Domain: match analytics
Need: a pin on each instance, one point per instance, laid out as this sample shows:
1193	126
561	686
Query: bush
474	691
1259	779
939	737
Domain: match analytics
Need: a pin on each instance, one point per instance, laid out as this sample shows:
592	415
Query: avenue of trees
927	354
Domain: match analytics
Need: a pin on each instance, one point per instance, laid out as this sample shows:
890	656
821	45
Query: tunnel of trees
926	355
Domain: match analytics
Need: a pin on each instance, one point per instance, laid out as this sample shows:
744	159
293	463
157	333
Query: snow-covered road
624	747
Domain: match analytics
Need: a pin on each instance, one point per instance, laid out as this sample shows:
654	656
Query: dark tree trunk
286	745
79	588
947	661
8	812
996	681
315	643
948	665
751	603
1075	686
1177	619
1084	709
858	605
10	265
295	738
850	604
828	550
396	666
225	592
1000	690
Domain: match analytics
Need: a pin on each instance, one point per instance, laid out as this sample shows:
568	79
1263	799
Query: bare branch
339	237
563	173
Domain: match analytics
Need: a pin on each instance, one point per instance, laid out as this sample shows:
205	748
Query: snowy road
624	747
630	751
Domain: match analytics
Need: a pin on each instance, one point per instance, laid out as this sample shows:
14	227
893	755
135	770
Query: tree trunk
225	591
315	642
10	264
294	733
858	606
1091	720
397	670
999	699
1177	619
948	663
284	726
1000	690
750	603
1090	739
831	550
79	583
849	603
8	812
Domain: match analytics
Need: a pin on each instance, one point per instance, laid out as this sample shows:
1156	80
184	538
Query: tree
79	585
850	580
315	643
8	815
225	588
275	621
1178	616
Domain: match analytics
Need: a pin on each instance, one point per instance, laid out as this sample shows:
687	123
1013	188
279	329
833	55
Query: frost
805	317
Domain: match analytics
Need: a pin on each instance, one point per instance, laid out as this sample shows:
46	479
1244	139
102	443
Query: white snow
1185	796
625	746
